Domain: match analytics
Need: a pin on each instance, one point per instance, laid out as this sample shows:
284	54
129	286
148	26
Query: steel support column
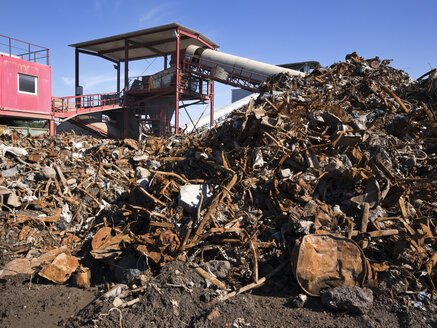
118	77
126	65
76	72
126	86
76	76
52	126
211	103
177	80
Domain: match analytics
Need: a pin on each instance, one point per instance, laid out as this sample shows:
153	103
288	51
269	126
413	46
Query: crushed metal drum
327	261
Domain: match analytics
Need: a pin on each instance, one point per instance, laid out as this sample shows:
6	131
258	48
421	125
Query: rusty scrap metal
347	151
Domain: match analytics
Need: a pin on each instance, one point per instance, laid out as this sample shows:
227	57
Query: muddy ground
177	298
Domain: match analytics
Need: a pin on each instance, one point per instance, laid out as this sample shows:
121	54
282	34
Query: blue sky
271	31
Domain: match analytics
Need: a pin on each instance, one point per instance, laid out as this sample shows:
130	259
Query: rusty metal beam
96	54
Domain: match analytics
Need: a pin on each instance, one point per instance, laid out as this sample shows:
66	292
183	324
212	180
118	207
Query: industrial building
149	103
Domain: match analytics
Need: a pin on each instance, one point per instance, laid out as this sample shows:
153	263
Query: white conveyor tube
247	68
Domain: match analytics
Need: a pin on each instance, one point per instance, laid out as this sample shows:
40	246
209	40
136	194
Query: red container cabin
25	81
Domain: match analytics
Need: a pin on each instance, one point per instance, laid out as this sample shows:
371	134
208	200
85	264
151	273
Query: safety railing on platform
24	50
140	83
191	84
228	74
68	106
187	83
165	78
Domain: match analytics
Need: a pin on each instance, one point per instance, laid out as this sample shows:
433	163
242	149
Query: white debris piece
13	200
259	161
143	176
13	150
48	172
9	173
142	173
141	157
304	227
66	214
117	301
190	195
286	173
78	145
117	291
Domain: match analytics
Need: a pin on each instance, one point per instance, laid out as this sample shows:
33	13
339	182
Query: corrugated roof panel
152	42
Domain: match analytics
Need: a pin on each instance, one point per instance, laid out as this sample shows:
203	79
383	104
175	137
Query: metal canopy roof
148	43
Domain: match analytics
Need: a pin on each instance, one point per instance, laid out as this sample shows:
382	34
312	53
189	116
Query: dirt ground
27	304
177	298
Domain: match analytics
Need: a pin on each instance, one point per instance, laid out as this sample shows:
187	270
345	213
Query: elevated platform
71	107
24	114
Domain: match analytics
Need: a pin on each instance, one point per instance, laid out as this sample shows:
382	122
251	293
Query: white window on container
27	84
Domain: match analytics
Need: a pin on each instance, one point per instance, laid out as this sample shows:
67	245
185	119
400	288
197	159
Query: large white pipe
247	68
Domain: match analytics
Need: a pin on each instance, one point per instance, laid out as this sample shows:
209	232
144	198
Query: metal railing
187	83
150	82
194	85
85	103
140	83
24	50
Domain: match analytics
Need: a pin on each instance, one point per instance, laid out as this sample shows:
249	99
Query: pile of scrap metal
335	170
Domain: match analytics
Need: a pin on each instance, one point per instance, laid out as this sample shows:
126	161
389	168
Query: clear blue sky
271	31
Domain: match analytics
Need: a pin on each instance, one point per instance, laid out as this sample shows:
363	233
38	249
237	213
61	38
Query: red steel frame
178	49
178	32
68	107
126	85
196	37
